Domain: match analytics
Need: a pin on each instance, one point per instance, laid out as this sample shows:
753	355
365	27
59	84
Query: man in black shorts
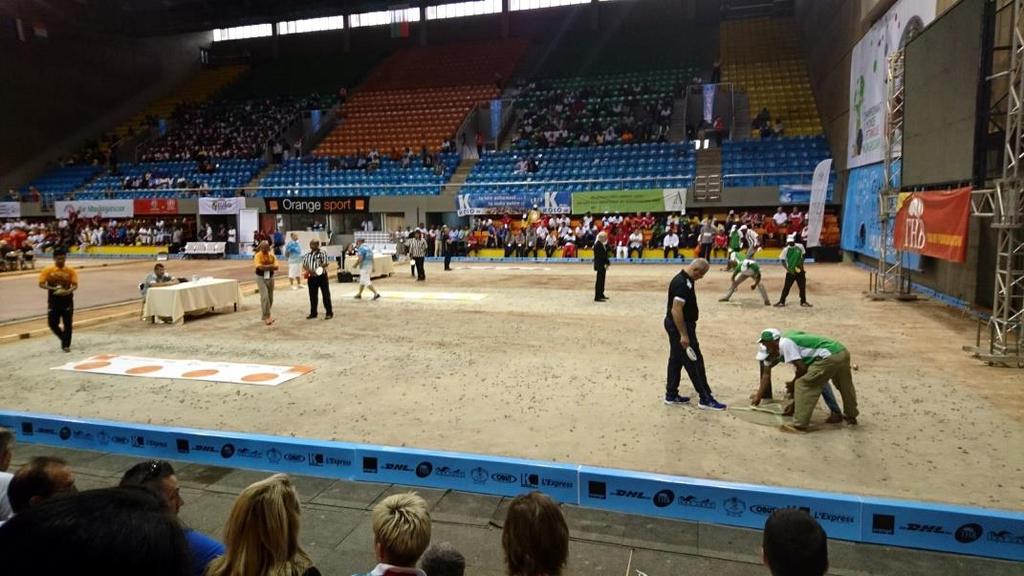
681	317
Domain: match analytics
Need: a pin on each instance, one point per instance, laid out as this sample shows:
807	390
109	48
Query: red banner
156	206
934	223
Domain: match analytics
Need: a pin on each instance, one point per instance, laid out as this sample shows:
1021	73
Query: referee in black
681	317
315	264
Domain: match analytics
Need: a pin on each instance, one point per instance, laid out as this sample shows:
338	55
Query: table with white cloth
382	265
203	294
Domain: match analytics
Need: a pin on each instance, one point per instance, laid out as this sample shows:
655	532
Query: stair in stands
741	116
253	185
677	130
454	185
708	183
709	162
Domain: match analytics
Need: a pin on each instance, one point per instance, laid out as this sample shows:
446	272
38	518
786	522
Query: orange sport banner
934	223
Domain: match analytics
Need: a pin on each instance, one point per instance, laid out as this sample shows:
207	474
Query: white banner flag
209	206
90	208
10	209
816	211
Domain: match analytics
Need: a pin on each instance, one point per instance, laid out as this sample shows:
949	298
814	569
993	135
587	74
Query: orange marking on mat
91	365
104	357
259	377
199	373
143	369
301	369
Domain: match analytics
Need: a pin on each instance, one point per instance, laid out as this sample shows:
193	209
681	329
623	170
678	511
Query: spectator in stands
113	531
401	533
796	219
751	240
158	477
716	71
6	453
706	237
778	130
670	243
41	479
13	196
794	544
262	533
763	118
442	559
535	538
718	125
636	242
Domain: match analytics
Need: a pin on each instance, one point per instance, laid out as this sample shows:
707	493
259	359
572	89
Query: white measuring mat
227	372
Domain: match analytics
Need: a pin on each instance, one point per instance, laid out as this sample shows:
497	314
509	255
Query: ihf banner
934	223
475	204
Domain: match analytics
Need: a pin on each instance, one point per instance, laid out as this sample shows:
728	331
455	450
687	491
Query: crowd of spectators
370	162
594	115
30	239
534	233
764	126
225	129
48	527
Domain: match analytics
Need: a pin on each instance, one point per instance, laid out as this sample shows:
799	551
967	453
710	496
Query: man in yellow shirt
60	283
266	266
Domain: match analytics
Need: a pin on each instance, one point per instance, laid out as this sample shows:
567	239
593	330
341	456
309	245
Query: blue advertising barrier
862	227
921	525
801	193
727	503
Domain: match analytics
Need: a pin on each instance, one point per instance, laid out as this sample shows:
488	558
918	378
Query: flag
21	30
934	223
816	209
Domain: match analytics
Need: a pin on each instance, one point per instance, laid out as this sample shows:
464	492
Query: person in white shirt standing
752	240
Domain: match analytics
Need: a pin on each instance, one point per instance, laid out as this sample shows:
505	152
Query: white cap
762	353
791	238
744	227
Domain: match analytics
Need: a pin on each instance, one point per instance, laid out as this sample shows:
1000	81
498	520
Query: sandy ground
538	370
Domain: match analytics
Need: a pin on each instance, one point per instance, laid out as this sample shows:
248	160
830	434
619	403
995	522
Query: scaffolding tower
890	281
1005	205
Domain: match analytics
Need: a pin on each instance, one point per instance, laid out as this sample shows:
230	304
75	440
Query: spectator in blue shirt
158	477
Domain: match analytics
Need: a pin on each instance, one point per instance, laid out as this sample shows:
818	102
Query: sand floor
537	369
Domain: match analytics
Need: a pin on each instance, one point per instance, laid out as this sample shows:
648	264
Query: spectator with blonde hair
401	532
262	533
535	538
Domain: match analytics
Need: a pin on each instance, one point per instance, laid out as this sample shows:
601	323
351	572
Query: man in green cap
747	268
817	360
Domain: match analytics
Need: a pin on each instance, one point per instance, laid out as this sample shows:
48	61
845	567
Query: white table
382	265
174	301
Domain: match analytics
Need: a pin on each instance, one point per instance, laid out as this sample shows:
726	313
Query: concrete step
459	177
677	129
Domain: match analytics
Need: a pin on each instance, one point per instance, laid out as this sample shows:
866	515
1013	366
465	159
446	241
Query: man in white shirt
752	240
780	217
671	243
636	242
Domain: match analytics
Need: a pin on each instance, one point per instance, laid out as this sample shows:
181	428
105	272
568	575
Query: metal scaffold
890	280
1005	205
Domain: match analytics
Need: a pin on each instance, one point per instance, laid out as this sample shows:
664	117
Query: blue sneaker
711	404
676	400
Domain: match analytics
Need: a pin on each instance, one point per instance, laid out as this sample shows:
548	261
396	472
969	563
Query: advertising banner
643	200
213	206
816	211
862	226
90	208
10	209
155	206
868	70
475	204
330	205
934	223
921	525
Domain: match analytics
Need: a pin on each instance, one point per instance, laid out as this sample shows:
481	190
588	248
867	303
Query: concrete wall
58	94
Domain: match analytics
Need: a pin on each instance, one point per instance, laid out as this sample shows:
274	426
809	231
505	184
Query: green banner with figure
640	200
